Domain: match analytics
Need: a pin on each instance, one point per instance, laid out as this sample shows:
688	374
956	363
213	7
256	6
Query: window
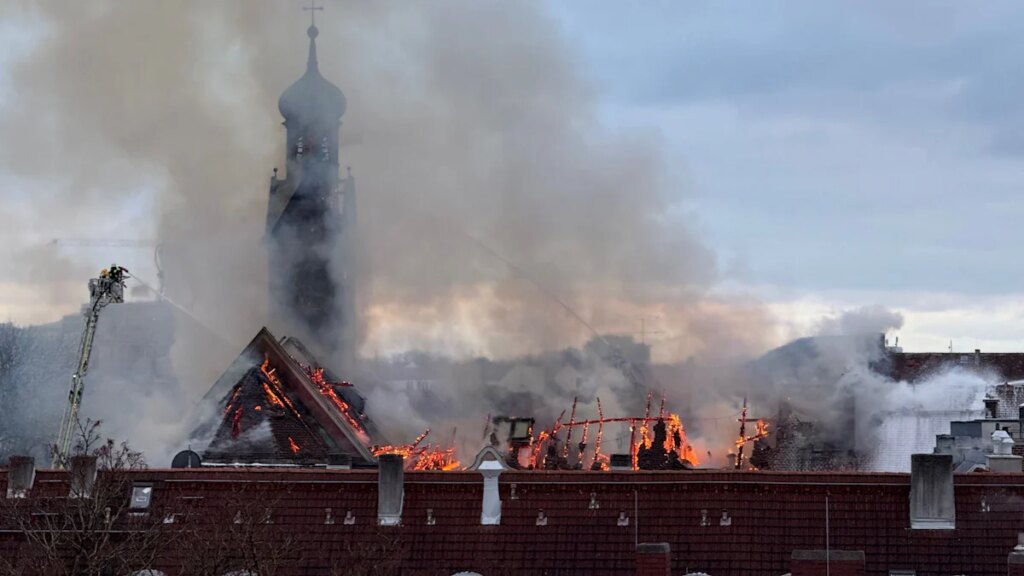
141	496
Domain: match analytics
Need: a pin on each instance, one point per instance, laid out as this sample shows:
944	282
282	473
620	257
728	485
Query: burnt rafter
278	405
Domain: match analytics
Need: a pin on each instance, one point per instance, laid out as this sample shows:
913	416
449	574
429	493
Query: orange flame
438	459
537	447
760	431
291	444
675	430
316	376
426	457
275	394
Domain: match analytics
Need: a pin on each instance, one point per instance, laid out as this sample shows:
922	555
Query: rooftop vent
21	474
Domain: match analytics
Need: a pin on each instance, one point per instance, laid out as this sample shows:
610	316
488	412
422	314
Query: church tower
311	220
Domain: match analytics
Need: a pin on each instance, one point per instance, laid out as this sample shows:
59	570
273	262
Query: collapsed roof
278	405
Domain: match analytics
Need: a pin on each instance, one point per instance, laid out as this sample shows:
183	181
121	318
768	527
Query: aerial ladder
158	250
107	289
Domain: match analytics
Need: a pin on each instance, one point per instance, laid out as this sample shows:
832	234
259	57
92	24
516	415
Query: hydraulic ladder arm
107	289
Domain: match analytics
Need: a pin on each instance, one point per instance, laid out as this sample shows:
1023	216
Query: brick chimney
82	472
1015	561
831	562
21	474
931	492
654	559
390	489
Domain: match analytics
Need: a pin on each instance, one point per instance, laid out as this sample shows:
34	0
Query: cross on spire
312	11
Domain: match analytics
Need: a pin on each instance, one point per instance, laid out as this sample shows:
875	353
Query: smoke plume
475	143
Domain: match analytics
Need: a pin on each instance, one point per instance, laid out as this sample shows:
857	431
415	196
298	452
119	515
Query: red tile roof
772	514
914	366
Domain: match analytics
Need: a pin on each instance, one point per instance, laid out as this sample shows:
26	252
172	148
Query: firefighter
117	273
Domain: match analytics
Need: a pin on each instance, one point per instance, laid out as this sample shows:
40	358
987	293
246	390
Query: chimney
390	489
491	463
1002	459
653	559
931	492
977	356
825	562
1015	561
991	406
21	474
944	443
620	463
82	474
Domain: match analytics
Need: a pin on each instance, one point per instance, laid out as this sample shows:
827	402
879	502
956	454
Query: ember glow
234	398
236	423
760	431
274	390
294	447
316	375
675	442
427	457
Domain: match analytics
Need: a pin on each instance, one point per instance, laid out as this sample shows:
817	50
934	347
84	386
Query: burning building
277	405
311	219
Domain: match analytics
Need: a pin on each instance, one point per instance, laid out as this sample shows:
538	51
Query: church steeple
312	97
311	64
310	217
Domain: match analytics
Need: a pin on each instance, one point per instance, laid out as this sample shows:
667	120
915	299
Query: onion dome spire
312	97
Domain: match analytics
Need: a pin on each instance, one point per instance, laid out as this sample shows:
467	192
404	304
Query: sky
839	154
834	155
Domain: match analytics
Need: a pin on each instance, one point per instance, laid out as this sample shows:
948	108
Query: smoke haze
465	121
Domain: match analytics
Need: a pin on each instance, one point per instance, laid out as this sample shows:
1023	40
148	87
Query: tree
92	529
381	555
238	535
11	353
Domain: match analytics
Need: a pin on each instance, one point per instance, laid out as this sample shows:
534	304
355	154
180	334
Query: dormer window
142	494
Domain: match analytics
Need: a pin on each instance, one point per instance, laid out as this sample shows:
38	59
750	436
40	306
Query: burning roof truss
278	405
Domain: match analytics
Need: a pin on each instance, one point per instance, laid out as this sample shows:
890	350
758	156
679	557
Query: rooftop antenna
312	8
950	345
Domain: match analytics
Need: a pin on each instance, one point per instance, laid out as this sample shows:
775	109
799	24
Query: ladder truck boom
107	289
